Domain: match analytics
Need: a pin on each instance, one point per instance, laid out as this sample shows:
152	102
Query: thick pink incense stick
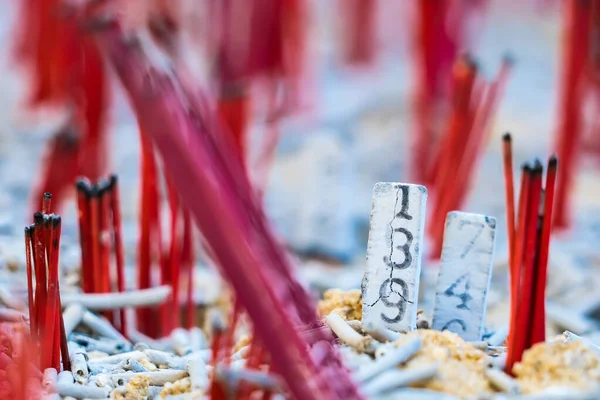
234	226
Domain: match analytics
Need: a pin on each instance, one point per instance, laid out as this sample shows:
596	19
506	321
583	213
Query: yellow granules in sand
461	367
136	389
558	364
175	388
348	304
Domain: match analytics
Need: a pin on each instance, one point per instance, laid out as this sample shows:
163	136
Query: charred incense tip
113	179
83	185
38	218
56	220
538	167
93	191
103	187
47	196
526	168
553	161
507	138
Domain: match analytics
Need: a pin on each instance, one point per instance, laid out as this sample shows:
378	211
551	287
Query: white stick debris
502	381
79	365
72	316
465	274
82	392
117	358
348	335
102	327
498	338
117	300
381	333
196	368
157	378
390	360
398	378
391	281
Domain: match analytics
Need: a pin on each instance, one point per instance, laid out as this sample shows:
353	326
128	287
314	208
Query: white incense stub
465	273
391	281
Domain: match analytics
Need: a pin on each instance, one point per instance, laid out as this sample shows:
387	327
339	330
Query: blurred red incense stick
575	45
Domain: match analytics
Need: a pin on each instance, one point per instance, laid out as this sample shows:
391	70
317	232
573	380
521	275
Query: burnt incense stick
83	216
28	255
507	164
94	216
118	243
538	330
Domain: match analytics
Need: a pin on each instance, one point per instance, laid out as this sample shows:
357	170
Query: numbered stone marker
391	281
465	274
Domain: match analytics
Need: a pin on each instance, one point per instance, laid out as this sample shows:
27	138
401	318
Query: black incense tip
506	137
103	187
113	179
93	191
538	167
38	218
526	168
83	185
48	195
56	220
553	161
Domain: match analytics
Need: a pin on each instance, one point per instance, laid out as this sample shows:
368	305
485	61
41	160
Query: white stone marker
465	274
391	282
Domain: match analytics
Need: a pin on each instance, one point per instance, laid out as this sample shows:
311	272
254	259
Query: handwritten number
464	296
385	290
405	249
460	322
479	227
404	210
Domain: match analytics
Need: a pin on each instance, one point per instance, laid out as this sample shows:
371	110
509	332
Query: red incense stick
507	162
575	42
516	268
538	331
84	218
528	266
28	254
119	250
187	263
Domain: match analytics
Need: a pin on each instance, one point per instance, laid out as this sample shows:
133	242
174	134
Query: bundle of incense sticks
42	244
173	260
529	241
257	41
189	140
460	147
67	72
438	43
99	233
